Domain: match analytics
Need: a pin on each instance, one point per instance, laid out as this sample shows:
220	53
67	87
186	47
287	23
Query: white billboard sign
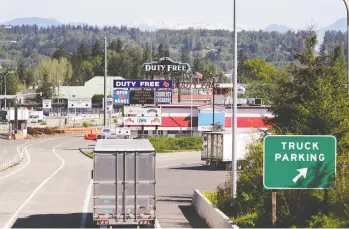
46	104
142	121
139	111
80	103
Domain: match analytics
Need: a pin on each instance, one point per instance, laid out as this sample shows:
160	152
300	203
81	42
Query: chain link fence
7	163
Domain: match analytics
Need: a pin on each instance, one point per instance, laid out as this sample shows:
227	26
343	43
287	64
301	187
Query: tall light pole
347	8
234	113
105	82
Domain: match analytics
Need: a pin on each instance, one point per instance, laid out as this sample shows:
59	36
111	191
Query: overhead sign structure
80	103
46	104
166	65
142	111
163	97
299	162
143	84
121	97
141	97
142	121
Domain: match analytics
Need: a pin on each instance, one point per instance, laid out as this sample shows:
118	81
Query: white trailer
217	146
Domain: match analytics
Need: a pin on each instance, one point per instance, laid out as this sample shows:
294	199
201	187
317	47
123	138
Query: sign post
299	162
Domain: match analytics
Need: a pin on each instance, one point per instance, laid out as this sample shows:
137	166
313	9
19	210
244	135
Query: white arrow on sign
302	173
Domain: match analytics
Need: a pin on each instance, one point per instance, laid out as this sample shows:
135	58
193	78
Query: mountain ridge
151	25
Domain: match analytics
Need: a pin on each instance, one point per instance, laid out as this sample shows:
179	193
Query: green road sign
299	162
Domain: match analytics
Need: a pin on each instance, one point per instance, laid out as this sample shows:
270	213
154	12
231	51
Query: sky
296	14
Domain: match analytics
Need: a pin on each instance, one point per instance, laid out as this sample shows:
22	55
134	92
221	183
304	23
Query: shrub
164	144
85	124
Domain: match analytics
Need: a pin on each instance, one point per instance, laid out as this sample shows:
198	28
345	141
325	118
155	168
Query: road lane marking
10	222
157	224
86	204
28	156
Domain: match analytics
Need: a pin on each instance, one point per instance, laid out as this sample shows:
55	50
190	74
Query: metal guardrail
5	164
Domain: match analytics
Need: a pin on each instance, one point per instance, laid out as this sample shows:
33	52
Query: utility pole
234	113
105	82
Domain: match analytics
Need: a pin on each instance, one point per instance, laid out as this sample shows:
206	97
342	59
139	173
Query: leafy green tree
60	53
97	49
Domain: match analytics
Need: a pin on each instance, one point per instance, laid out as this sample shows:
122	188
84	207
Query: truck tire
228	166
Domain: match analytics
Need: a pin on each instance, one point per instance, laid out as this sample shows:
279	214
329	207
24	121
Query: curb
80	149
214	217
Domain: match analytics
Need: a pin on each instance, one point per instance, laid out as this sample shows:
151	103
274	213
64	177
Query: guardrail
214	217
5	164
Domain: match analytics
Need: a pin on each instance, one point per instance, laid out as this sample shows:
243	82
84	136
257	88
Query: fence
5	164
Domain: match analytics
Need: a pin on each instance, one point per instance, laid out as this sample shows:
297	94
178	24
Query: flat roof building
90	88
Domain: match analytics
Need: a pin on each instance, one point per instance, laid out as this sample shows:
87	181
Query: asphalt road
52	187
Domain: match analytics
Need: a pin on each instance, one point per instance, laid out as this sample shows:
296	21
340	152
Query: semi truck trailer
124	182
217	147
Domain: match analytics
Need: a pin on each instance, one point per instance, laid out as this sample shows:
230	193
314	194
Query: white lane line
86	204
157	224
26	164
10	222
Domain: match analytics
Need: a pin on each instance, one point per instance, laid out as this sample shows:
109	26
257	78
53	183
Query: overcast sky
252	13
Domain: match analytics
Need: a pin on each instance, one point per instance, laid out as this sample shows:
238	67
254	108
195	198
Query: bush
164	144
49	131
85	124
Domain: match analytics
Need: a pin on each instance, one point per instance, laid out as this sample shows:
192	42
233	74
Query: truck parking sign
299	162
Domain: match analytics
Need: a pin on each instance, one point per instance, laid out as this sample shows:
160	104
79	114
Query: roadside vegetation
165	144
314	101
36	131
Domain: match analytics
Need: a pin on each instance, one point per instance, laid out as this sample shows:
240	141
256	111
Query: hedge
165	144
38	130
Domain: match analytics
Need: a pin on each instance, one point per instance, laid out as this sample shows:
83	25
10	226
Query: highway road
52	187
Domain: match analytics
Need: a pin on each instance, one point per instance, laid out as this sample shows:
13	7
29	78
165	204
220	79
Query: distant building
91	87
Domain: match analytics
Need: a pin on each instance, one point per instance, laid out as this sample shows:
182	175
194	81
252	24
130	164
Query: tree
160	51
258	70
97	50
60	53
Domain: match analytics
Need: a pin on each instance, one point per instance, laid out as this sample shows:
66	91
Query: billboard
46	104
166	65
79	103
143	121
139	111
205	120
141	97
143	84
121	97
163	97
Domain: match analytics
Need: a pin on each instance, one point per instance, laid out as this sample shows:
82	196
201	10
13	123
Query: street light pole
347	8
105	82
234	113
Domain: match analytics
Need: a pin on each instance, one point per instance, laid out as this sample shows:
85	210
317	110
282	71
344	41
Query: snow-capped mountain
151	25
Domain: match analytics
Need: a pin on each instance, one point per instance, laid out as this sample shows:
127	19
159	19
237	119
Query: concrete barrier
5	164
208	212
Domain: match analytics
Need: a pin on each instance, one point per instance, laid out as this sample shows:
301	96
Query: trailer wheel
228	166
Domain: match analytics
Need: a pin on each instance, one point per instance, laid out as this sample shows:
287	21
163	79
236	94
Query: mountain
41	22
340	24
150	25
277	28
